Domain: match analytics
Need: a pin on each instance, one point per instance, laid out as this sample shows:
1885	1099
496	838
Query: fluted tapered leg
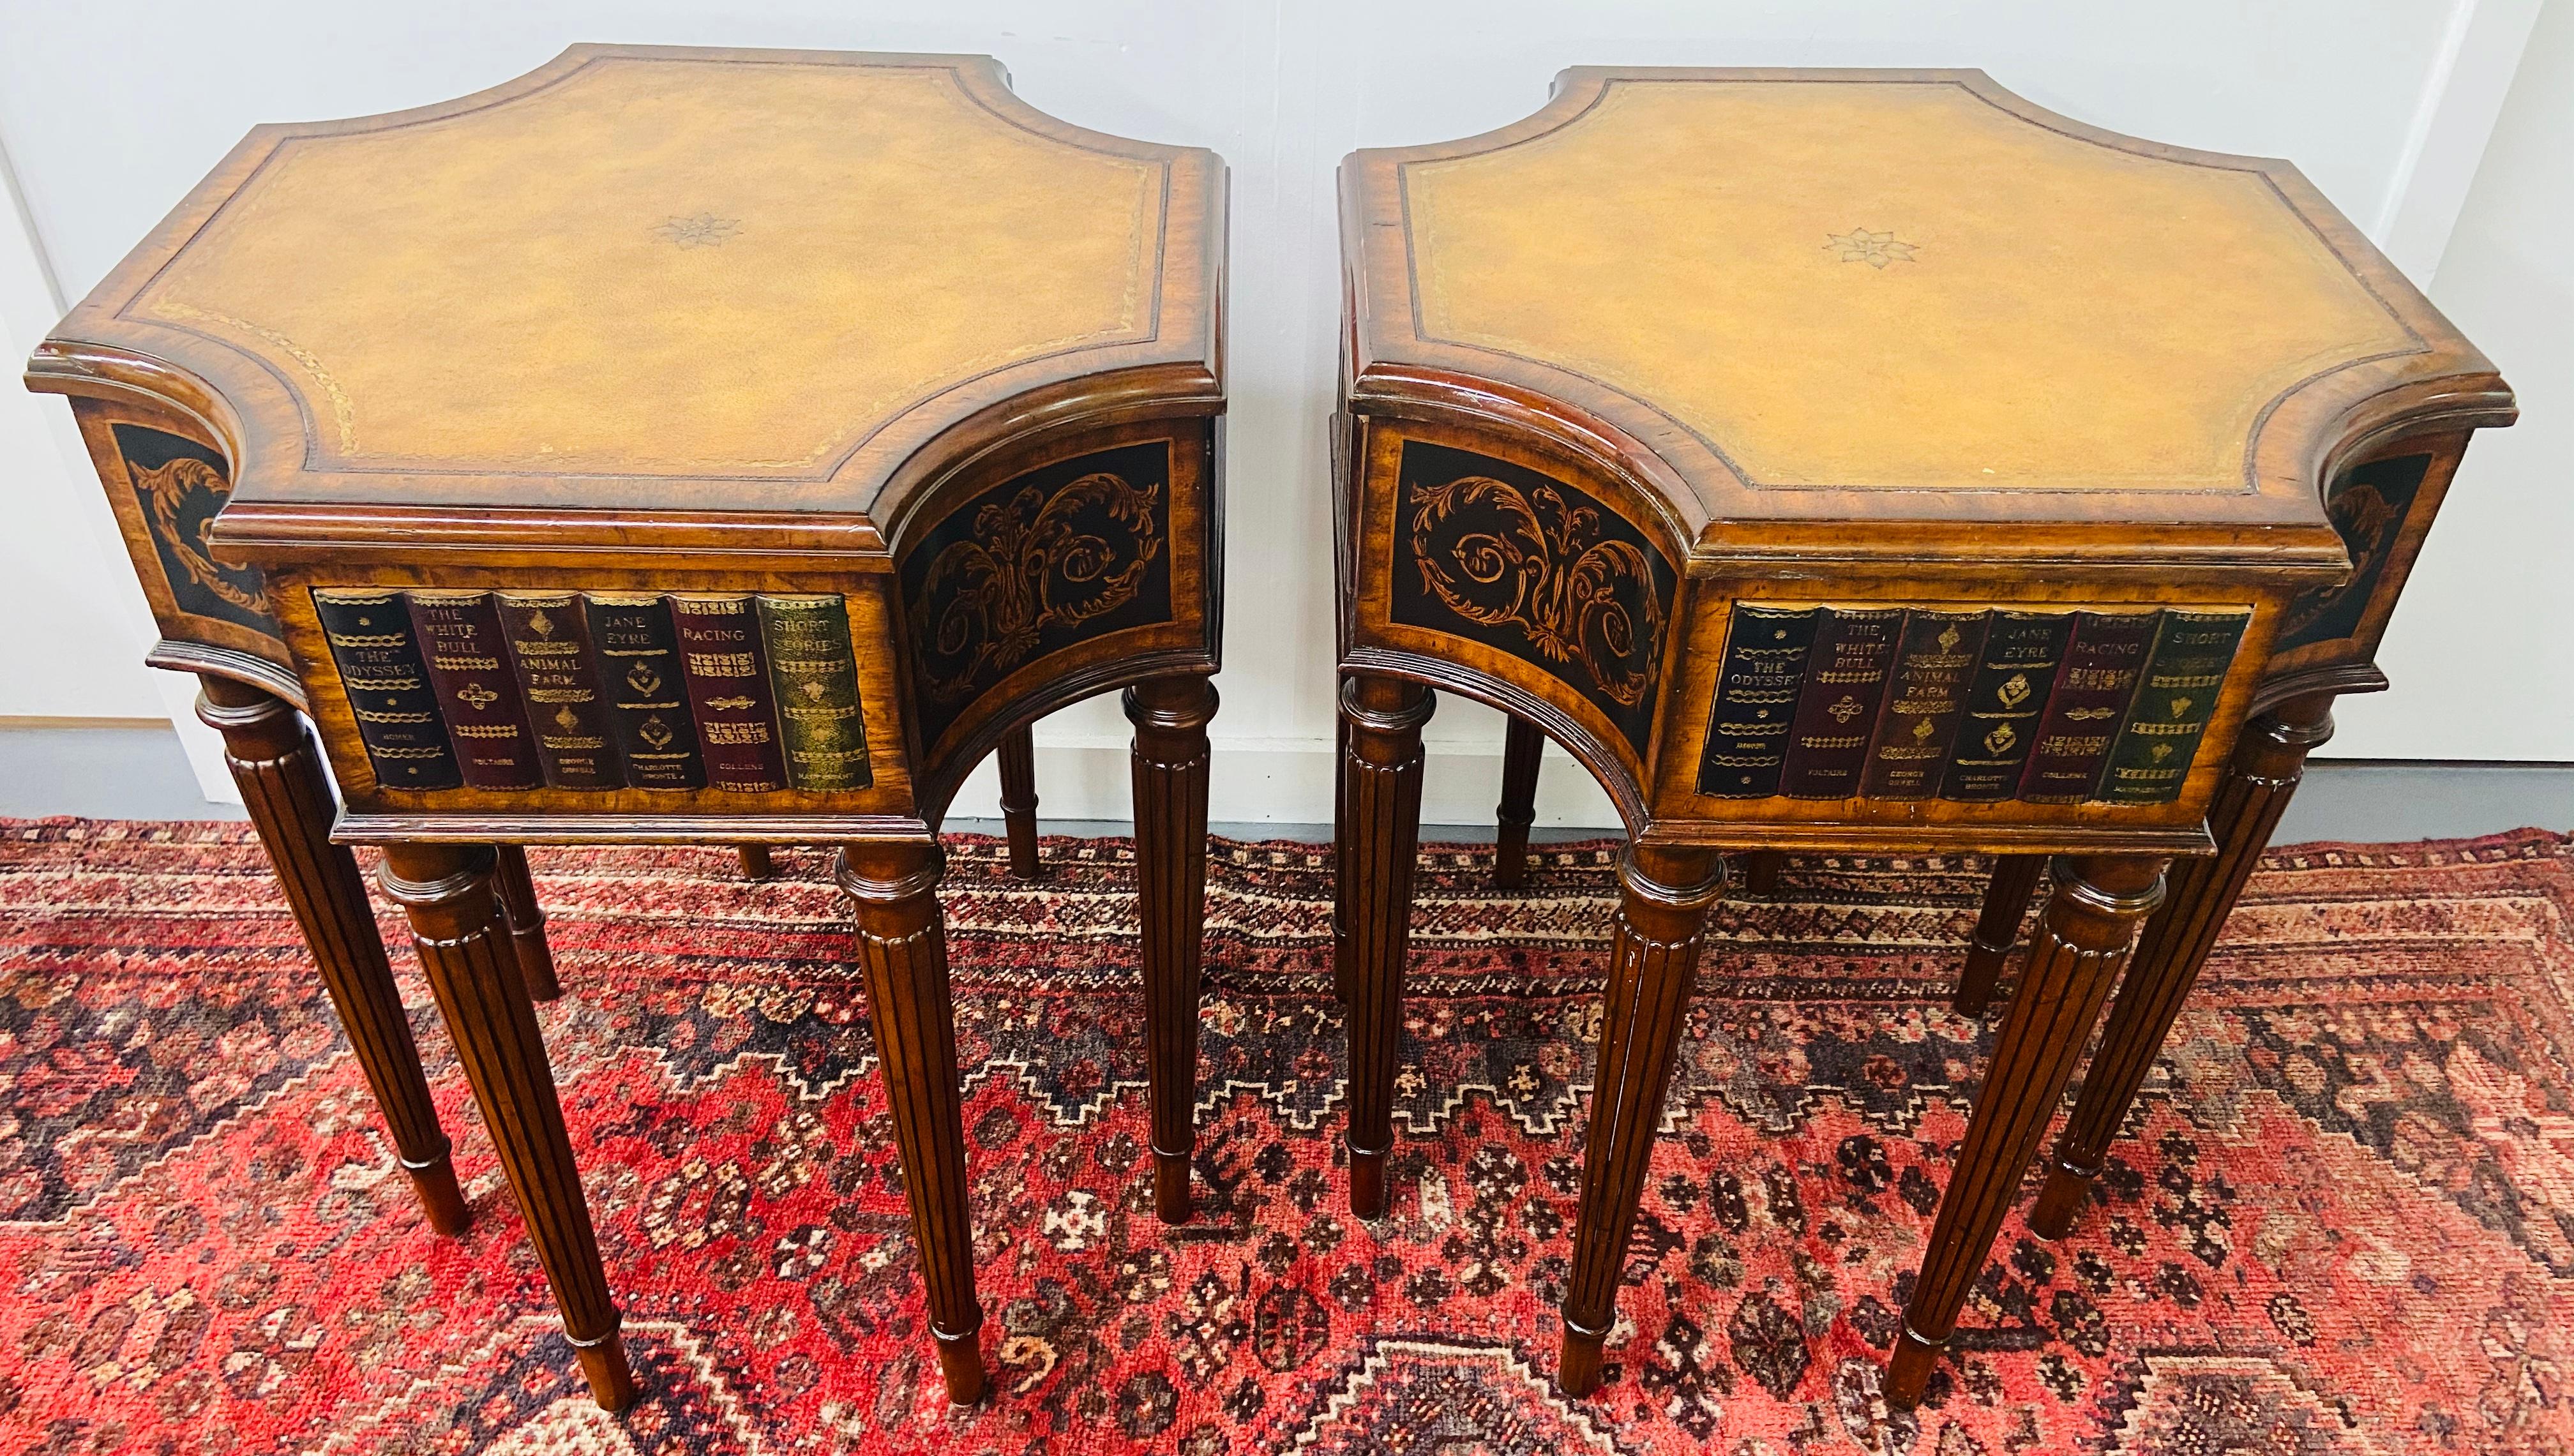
1761	872
527	921
1380	833
2007	898
1523	748
1340	861
902	949
1170	765
2085	936
755	863
1663	898
2269	758
1019	756
278	768
457	928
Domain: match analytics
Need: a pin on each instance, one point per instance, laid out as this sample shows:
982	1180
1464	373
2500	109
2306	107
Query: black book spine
1837	711
2022	650
388	687
1756	700
647	700
549	640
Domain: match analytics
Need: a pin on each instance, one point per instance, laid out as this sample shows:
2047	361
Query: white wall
110	112
2481	654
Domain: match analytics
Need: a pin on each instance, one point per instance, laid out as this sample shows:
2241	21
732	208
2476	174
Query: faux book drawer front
603	697
1915	711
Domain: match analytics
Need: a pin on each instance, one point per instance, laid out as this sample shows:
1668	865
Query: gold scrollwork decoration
1500	557
168	487
1039	562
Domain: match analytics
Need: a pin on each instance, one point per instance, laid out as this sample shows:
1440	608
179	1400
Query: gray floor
140	773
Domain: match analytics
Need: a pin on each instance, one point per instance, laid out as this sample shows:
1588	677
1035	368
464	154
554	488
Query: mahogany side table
682	445
1844	460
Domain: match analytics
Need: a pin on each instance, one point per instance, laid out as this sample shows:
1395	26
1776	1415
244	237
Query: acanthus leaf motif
1497	556
182	518
1039	560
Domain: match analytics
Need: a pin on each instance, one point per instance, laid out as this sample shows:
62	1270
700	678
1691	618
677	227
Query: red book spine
478	692
1837	711
2092	691
728	693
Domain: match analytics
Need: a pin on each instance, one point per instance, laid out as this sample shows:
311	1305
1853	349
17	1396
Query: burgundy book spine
728	691
2092	691
1844	678
478	692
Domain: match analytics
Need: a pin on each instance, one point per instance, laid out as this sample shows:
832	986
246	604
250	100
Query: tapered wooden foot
1761	872
1523	749
1019	756
1663	898
1577	1360
527	921
1379	832
903	950
1997	929
1170	765
278	768
455	926
2085	936
2269	758
755	863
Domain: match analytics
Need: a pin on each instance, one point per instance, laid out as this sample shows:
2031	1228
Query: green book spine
815	676
549	639
2185	675
1932	670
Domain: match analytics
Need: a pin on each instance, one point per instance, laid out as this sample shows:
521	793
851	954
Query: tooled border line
1152	332
2251	481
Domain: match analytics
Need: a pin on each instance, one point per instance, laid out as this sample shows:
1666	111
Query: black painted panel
2368	506
180	485
1043	560
1526	564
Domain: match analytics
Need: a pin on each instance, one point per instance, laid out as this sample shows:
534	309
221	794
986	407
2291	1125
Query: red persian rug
2344	1222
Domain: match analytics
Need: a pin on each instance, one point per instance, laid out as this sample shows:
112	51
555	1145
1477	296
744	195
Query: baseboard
121	768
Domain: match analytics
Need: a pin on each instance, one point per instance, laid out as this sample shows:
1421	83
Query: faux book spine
1844	679
478	692
1923	698
1756	700
647	701
2083	713
370	639
729	690
2021	653
817	681
2182	677
548	642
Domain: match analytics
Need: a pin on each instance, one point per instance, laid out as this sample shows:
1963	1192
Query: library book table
1856	462
680	445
